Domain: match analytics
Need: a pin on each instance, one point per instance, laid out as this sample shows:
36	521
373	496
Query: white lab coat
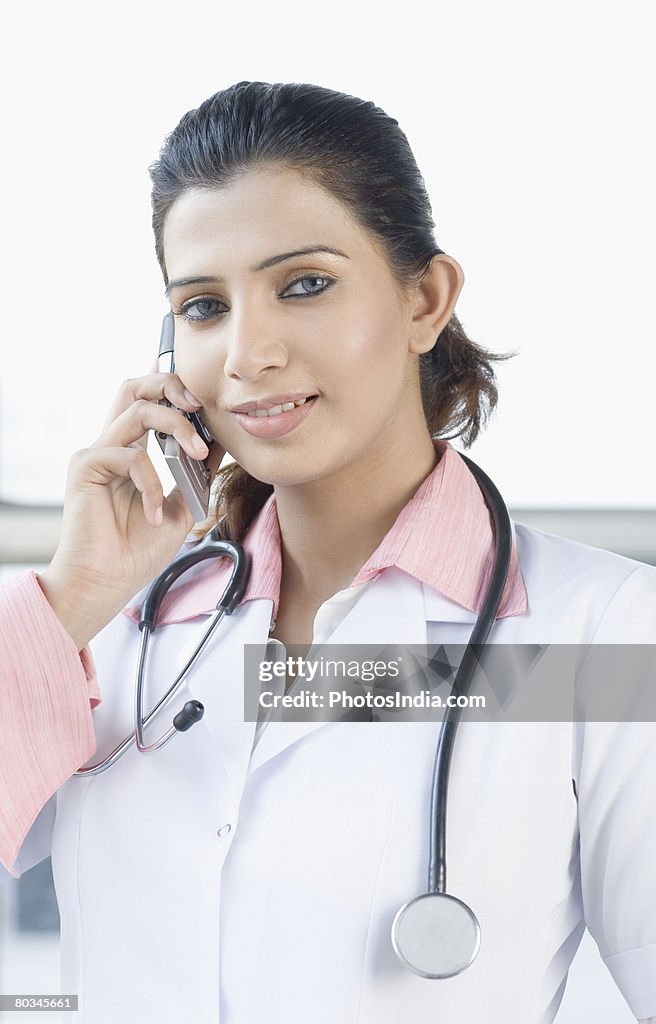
285	918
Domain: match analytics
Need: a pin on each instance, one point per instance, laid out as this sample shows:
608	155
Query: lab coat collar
390	611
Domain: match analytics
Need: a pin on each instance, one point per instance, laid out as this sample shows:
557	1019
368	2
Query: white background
533	125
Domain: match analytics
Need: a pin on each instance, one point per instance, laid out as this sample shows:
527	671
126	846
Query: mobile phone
191	475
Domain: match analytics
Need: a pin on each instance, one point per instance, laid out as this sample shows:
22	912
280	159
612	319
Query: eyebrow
272	261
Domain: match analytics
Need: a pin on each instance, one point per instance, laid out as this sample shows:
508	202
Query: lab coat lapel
390	611
218	682
395	609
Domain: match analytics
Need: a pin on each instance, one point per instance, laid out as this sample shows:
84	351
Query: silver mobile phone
191	475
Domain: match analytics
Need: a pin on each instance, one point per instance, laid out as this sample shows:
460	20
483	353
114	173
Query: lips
271	427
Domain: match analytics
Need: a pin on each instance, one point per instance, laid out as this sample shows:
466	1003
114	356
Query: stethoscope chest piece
436	935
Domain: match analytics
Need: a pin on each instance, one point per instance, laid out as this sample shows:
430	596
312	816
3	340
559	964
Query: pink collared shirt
460	568
48	689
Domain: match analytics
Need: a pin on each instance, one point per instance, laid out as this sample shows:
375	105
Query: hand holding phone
119	530
191	475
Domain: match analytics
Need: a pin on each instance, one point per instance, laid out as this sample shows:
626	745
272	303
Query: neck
330	527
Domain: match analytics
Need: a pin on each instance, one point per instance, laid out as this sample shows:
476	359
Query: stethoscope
435	934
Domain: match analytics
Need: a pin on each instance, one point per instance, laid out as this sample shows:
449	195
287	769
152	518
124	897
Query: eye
201	305
312	278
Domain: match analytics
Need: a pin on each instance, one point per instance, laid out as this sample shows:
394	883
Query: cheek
374	352
194	366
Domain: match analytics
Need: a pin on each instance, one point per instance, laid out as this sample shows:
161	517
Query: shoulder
547	558
586	585
564	556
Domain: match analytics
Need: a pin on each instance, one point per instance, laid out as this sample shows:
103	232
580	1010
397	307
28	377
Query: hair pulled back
359	154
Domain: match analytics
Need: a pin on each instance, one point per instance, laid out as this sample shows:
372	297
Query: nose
253	345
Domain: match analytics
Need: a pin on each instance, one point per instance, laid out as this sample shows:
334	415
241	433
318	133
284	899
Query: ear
434	302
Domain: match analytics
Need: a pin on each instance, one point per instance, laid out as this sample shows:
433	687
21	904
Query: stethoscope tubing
211	547
139	720
442	763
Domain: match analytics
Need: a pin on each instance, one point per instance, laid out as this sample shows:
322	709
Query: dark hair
359	154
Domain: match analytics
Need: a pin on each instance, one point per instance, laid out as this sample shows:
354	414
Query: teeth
275	410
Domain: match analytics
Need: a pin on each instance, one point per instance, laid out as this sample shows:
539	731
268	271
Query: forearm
47	691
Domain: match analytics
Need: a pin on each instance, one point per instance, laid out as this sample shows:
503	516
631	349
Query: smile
278	420
276	410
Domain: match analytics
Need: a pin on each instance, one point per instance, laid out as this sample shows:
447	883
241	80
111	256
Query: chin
286	469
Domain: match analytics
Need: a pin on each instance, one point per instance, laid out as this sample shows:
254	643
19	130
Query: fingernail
199	444
158	516
191	398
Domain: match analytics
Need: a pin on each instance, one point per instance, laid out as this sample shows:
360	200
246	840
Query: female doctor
251	872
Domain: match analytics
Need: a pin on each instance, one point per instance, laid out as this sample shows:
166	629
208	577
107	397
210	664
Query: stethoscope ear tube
192	712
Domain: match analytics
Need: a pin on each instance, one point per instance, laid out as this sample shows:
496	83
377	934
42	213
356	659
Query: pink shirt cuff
47	692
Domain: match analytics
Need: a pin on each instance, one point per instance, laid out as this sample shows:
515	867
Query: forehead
261	212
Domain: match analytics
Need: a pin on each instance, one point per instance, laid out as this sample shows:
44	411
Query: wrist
75	608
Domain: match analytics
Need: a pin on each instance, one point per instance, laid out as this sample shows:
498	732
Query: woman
252	872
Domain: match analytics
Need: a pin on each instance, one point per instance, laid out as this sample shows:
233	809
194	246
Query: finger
175	505
142	416
142	442
154	387
102	466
